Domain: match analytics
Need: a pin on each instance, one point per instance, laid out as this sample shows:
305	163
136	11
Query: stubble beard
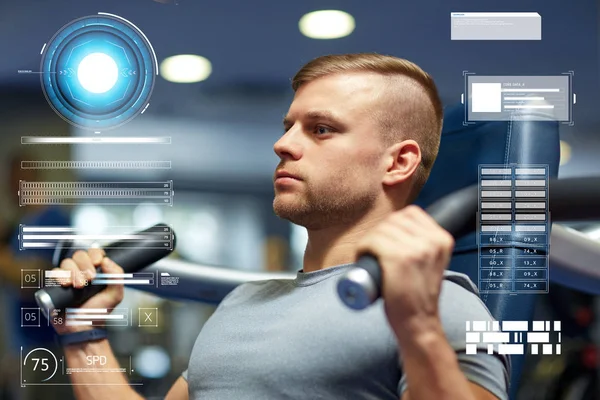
318	209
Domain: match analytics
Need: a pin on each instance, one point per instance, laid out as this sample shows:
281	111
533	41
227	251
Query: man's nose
288	146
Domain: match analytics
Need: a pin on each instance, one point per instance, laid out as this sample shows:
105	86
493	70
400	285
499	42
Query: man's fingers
416	213
115	291
63	281
418	222
378	242
87	268
110	267
415	219
69	265
96	255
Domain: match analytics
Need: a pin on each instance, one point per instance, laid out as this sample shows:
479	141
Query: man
361	136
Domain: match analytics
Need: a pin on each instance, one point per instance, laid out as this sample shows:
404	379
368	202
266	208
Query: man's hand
83	270
413	251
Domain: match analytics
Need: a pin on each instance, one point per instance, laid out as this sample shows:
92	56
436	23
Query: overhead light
185	68
565	152
326	24
90	219
147	214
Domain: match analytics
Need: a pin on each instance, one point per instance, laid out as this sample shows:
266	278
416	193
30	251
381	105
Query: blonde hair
420	115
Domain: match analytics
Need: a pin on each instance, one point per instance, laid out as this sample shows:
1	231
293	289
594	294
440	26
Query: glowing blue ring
104	109
125	44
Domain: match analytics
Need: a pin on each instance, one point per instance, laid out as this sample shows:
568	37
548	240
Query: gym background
223	128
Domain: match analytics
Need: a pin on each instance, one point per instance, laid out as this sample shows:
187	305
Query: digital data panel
97	73
495	26
513	229
95	193
35	237
514	337
43	366
519	98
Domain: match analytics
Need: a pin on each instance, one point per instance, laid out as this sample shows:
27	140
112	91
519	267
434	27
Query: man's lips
285	174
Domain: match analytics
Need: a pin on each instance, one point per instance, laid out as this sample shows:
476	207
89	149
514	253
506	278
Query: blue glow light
105	102
97	73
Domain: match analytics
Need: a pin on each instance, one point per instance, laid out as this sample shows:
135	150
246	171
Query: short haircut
419	116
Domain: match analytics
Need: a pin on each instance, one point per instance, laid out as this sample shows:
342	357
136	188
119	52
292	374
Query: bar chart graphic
97	316
513	229
95	193
137	278
95	164
39	237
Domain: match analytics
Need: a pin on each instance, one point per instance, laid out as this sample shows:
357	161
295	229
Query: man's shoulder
262	285
460	302
461	280
254	290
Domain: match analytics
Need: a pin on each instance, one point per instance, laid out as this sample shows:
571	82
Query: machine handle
570	199
131	259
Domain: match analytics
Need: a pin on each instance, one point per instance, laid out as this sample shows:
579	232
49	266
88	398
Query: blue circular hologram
120	40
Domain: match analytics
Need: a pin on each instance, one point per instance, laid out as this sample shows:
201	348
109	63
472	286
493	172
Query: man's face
333	147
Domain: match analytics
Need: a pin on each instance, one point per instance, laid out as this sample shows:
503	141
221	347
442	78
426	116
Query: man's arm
432	370
414	251
179	391
97	386
107	385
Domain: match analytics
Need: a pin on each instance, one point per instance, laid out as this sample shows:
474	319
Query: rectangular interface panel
513	229
36	237
506	98
495	26
95	193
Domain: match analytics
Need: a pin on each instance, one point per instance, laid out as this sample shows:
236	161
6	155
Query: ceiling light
185	68
326	24
565	152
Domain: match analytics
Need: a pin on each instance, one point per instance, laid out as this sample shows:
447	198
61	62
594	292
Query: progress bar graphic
94	140
97	317
59	277
95	164
138	278
95	193
36	237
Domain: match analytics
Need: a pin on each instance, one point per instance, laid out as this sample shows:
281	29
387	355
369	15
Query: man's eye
322	130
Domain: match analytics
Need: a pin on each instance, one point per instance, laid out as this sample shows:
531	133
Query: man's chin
283	209
289	209
287	199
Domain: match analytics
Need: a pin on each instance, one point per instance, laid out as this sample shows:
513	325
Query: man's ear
404	158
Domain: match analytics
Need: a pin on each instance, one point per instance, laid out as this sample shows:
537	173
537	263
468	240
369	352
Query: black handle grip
132	257
569	200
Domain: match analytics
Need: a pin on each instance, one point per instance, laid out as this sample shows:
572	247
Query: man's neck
337	245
